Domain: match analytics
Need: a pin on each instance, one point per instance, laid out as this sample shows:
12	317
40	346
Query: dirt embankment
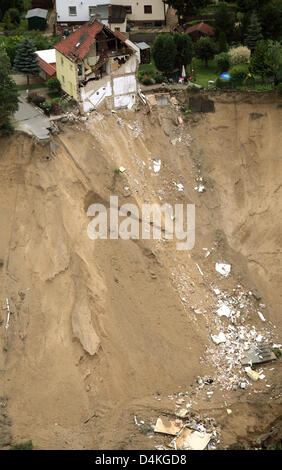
104	329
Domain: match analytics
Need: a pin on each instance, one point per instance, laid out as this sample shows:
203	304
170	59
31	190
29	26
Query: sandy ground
107	329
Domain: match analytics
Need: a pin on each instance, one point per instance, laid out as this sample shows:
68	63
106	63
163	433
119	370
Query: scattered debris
223	268
157	165
191	440
165	426
258	355
220	338
252	374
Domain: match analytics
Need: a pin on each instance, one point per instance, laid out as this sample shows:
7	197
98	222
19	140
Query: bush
148	81
38	100
23	446
6	129
222	62
159	78
222	84
53	84
239	55
279	88
239	73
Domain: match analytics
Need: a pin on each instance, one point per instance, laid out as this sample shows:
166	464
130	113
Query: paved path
31	120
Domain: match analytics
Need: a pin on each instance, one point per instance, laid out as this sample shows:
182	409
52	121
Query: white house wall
82	9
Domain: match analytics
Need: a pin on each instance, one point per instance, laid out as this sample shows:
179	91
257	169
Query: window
72	11
92	11
148	9
63	79
70	67
128	9
62	61
117	29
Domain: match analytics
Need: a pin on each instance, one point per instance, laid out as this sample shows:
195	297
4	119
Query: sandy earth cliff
104	331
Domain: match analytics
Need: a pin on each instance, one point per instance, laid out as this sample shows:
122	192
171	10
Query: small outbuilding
145	52
37	19
199	30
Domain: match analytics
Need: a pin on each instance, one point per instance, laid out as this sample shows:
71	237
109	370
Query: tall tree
26	61
224	21
164	53
259	64
8	90
185	50
253	32
186	8
205	49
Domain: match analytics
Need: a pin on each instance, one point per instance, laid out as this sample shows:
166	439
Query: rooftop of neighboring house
48	55
77	44
201	27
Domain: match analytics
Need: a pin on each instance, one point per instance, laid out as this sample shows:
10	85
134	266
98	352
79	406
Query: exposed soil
102	331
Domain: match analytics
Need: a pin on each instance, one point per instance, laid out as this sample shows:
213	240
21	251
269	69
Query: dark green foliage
270	15
8	91
239	73
185	50
222	42
205	49
222	62
164	53
14	15
222	84
26	61
253	32
224	21
258	65
53	84
187	8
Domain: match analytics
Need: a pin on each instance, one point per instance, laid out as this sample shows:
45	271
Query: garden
244	53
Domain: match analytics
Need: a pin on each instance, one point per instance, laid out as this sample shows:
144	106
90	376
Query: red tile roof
49	69
202	27
85	35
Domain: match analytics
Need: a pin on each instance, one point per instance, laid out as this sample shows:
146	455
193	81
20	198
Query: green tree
205	49
253	32
258	63
222	42
26	61
186	8
8	91
185	50
270	15
224	21
164	53
14	15
273	57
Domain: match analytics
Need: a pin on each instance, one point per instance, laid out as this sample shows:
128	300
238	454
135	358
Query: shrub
222	84
159	78
6	129
239	55
23	446
148	81
53	84
222	62
239	73
38	100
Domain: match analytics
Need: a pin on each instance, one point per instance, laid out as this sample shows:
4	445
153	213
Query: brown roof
49	69
78	43
202	27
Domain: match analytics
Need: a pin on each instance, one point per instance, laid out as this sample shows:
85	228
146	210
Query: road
32	120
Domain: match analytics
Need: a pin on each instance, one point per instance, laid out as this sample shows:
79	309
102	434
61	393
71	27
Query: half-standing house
95	64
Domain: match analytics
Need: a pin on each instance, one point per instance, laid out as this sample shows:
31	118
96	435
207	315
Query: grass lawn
33	86
203	73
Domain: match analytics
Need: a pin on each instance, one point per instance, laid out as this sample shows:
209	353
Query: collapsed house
96	64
